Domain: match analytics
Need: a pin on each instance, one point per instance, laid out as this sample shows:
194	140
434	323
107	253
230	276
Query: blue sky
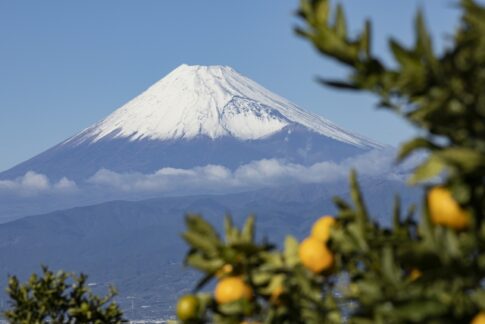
66	64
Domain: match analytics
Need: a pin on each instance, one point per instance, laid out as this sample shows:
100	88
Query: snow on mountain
197	116
214	101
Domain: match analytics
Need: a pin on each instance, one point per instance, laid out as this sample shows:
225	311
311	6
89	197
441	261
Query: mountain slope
212	101
195	116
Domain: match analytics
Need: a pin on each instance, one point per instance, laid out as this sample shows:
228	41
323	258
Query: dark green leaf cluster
425	269
442	94
58	298
283	291
410	273
210	254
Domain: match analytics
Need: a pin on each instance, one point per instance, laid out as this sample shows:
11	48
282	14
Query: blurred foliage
58	298
428	267
440	94
282	288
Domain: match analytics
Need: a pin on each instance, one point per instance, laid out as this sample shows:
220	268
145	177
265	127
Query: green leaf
305	10
235	308
360	208
371	290
417	311
322	10
397	213
432	167
199	241
425	229
340	24
466	159
341	204
338	84
423	41
413	145
402	55
247	234
262	278
232	233
365	39
198	261
276	282
197	224
357	232
390	271
479	298
452	244
291	251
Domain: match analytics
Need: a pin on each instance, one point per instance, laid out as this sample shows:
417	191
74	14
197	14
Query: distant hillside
136	245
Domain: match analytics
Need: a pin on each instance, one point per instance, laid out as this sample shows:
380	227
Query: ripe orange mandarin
231	289
315	255
415	274
479	318
321	228
445	211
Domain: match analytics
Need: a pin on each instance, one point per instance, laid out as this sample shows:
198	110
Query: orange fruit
315	255
231	289
414	274
445	211
321	228
479	318
187	308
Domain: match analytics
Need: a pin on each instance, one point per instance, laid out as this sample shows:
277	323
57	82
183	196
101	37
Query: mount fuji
196	116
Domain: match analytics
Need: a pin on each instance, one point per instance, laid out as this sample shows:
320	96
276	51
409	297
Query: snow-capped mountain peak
197	116
212	101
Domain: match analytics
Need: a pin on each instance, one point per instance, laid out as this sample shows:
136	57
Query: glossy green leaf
432	167
247	233
291	251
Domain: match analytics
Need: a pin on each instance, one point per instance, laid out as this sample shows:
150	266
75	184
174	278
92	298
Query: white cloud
255	174
267	172
65	184
210	178
374	162
33	183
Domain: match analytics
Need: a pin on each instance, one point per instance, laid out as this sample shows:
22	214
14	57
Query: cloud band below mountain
33	183
256	174
212	178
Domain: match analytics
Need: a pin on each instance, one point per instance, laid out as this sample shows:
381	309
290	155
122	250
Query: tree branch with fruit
428	267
